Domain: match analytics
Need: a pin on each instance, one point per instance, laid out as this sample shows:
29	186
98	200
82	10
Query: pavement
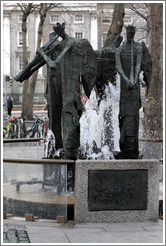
50	232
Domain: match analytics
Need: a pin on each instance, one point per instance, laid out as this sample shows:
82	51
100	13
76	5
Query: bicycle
45	127
11	131
34	131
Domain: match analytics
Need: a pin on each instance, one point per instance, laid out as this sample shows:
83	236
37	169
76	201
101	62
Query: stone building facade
83	20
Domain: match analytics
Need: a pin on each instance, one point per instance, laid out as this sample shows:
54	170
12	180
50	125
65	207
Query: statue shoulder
85	42
138	45
120	49
82	46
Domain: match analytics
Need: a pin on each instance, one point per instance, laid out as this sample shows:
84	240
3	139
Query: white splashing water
49	144
92	123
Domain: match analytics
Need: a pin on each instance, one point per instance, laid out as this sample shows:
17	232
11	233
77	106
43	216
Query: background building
83	20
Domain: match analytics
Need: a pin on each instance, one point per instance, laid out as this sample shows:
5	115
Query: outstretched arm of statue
121	72
51	64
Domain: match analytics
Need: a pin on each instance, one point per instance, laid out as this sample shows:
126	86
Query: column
6	45
94	31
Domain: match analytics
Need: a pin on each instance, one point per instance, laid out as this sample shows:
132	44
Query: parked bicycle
11	131
34	131
45	127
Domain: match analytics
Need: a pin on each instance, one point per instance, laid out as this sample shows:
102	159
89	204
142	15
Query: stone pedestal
116	191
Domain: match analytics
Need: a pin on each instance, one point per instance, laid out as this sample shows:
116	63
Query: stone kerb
82	211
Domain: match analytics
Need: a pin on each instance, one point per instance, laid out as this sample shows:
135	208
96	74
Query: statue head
130	32
59	29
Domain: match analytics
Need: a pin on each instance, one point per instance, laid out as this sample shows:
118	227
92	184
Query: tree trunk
26	10
117	23
153	124
32	82
25	62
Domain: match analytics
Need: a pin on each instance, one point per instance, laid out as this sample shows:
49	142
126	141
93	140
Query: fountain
104	189
99	124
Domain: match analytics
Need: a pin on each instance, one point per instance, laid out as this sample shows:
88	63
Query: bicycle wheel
28	134
37	134
17	131
42	131
21	133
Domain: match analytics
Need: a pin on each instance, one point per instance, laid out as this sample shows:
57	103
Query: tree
26	9
117	23
153	125
141	9
44	7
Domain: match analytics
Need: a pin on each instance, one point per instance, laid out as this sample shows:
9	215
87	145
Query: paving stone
15	234
5	241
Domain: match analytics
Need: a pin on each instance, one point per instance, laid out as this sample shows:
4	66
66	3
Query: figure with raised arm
75	60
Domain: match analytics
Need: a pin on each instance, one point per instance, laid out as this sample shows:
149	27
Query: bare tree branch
21	7
28	8
147	5
53	5
142	38
141	13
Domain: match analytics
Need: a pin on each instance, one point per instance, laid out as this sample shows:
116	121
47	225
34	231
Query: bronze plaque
117	189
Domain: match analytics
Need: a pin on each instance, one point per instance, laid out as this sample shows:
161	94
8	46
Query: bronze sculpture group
72	61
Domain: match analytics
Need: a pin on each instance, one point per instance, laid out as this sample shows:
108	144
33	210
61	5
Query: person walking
9	105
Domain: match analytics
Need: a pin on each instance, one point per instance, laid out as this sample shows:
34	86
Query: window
106	19
20	42
20	63
79	35
104	37
54	18
79	18
20	18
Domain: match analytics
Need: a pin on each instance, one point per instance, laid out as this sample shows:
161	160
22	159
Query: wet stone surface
15	234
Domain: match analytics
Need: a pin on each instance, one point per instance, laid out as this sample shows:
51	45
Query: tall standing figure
76	59
70	62
131	58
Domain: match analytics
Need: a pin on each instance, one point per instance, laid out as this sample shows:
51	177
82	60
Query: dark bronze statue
70	62
106	65
131	59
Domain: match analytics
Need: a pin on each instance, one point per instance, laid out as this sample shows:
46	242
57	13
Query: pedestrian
9	105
